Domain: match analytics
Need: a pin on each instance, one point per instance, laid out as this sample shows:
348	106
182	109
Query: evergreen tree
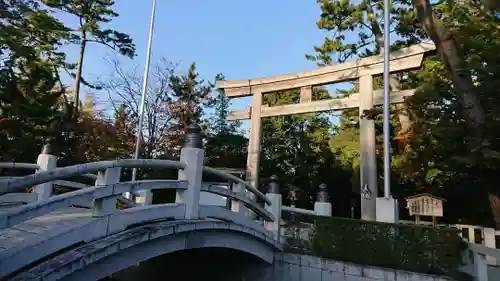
220	124
30	89
412	22
296	148
91	14
124	136
190	96
451	146
226	146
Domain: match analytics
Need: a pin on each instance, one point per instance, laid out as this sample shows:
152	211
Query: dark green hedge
405	247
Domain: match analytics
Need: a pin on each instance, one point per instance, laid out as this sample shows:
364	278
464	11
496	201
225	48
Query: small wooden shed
425	205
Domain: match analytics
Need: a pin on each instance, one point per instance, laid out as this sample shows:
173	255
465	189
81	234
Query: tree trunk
79	68
495	208
448	53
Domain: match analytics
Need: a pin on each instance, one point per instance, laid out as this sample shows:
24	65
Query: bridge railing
473	234
15	199
482	260
285	227
102	198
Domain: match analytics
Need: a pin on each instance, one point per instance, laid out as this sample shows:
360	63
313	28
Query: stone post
490	242
47	162
387	210
275	208
322	206
192	155
237	206
107	205
141	197
480	271
145	197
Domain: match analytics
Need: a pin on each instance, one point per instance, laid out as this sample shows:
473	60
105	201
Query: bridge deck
38	229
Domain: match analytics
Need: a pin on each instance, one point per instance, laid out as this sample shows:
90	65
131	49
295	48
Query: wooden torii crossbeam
363	69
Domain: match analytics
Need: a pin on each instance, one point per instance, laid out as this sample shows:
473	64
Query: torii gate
363	69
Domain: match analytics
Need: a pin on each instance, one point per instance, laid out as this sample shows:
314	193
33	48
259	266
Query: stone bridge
83	235
96	231
100	230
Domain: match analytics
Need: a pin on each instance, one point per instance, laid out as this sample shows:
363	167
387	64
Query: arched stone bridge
83	235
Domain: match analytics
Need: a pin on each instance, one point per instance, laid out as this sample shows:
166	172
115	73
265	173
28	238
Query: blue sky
241	39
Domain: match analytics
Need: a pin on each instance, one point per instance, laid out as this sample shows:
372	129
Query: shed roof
425	194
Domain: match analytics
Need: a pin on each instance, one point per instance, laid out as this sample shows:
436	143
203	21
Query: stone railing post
237	206
322	206
480	271
107	205
274	196
192	155
47	162
490	242
145	197
141	197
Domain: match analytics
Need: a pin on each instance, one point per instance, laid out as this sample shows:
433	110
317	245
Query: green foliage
26	117
355	27
28	32
403	247
30	89
296	149
190	95
441	152
226	151
225	147
221	103
91	14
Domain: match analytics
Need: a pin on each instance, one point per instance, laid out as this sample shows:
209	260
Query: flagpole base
387	210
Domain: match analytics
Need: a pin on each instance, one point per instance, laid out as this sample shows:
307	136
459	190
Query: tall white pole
144	88
387	102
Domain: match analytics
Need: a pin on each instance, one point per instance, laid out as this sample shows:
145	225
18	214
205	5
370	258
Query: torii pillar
253	158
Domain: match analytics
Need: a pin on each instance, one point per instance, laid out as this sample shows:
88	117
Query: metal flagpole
387	102
144	89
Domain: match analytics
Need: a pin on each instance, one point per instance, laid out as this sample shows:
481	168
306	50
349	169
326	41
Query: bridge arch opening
180	251
208	264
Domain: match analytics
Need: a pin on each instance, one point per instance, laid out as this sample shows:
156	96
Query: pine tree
30	89
190	96
91	14
449	115
412	22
